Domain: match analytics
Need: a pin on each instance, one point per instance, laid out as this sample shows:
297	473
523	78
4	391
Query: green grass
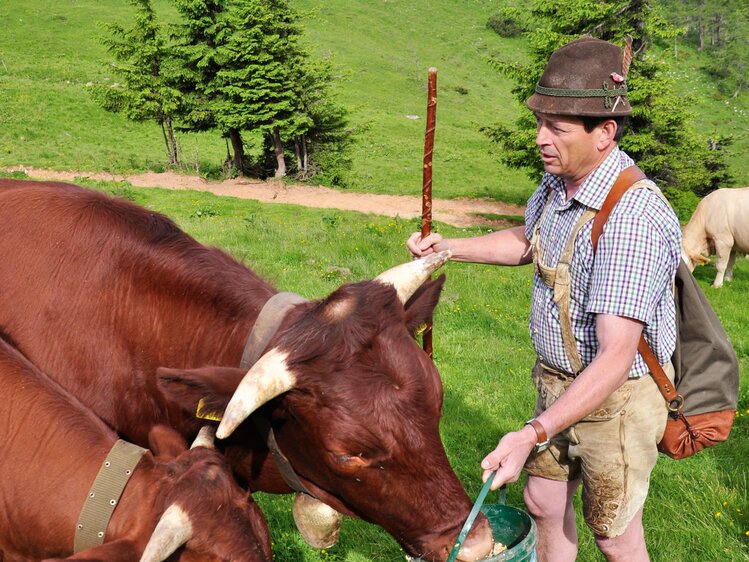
385	54
49	52
698	508
714	112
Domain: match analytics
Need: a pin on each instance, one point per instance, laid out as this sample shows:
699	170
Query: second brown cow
51	450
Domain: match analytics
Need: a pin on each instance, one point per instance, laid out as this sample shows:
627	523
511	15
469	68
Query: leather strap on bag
626	179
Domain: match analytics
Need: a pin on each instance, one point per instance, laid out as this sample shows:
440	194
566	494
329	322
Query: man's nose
542	136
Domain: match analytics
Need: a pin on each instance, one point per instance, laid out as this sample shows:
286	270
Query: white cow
720	226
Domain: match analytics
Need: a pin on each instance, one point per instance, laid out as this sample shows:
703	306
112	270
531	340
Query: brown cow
52	449
100	293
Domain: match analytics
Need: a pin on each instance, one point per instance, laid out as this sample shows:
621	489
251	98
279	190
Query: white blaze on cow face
407	277
340	309
266	379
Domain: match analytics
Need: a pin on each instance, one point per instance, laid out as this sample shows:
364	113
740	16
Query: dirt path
457	212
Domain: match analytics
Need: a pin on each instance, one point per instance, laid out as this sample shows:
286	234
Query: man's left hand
509	457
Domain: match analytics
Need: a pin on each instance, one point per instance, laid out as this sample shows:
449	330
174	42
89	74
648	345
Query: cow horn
408	277
205	438
172	531
265	380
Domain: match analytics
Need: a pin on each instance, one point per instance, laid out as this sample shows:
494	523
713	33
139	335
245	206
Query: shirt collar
594	189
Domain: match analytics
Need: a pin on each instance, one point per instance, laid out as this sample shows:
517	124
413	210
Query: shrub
506	23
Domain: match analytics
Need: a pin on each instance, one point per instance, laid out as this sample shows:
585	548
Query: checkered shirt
631	274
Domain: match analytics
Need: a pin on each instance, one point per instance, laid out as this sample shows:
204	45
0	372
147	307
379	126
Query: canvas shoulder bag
703	397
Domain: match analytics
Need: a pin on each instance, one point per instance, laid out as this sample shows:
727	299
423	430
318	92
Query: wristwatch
542	441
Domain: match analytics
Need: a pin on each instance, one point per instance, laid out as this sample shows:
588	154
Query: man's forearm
504	247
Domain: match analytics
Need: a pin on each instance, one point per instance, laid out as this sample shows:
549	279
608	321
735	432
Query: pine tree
242	68
195	67
320	129
143	92
662	138
257	53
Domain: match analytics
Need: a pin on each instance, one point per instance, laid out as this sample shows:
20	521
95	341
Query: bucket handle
474	513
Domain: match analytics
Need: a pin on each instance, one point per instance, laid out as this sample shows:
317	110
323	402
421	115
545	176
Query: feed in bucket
498	547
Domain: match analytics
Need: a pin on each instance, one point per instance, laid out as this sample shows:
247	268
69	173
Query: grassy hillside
382	49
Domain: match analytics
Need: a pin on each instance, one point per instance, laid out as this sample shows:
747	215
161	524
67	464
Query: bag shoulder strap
626	179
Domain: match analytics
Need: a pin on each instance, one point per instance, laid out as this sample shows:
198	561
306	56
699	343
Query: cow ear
211	388
166	442
421	305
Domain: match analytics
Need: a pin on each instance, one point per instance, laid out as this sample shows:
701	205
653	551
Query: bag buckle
676	404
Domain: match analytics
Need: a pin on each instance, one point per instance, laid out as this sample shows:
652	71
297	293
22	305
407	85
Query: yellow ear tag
205	415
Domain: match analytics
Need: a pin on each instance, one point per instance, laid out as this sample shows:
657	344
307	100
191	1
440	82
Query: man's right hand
420	247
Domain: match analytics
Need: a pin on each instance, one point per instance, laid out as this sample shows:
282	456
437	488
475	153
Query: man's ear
606	133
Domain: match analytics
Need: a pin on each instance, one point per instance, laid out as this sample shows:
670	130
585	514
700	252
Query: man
603	414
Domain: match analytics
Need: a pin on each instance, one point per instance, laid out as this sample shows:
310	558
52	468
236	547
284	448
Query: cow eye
348	462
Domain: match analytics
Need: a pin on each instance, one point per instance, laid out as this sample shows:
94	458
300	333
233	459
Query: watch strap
542	440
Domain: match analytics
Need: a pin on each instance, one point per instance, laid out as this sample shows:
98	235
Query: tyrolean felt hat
583	78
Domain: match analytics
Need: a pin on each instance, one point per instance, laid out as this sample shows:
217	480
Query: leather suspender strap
105	493
626	179
562	287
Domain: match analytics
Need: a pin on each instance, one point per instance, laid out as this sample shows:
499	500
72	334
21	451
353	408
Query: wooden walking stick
426	190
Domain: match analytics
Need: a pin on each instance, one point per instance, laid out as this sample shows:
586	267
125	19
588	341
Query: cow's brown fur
101	293
52	447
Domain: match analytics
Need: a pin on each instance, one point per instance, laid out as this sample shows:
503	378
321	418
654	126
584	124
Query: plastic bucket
512	527
515	529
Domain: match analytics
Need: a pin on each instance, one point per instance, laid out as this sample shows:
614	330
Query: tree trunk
280	160
238	148
172	141
298	153
305	154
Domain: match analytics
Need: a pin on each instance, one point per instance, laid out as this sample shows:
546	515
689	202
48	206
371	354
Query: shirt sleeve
632	268
534	208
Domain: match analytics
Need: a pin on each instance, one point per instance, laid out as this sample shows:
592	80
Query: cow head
696	246
355	406
204	509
